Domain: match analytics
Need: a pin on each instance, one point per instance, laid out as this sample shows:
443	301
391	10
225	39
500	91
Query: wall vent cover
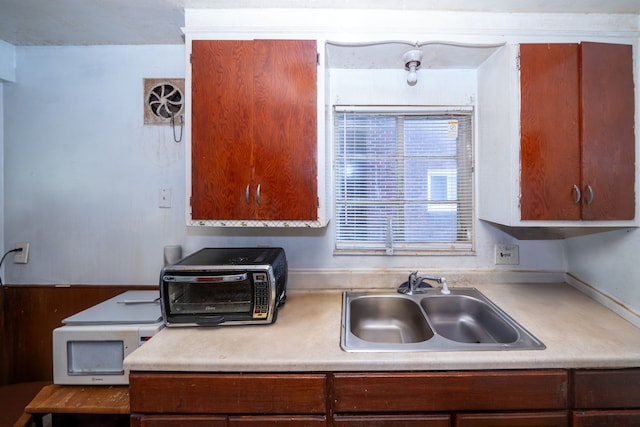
163	98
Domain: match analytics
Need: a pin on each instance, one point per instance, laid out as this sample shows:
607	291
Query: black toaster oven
224	286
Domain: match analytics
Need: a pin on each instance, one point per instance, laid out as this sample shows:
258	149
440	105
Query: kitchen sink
388	320
463	320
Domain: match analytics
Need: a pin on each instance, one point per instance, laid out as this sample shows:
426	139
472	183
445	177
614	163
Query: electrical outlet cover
507	255
21	257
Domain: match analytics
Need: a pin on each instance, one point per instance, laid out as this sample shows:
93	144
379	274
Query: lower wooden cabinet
622	418
222	421
607	388
138	420
519	398
385	392
275	421
392	421
606	398
228	394
531	419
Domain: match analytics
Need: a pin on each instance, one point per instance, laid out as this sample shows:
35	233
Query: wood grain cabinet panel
177	421
600	389
577	147
277	421
626	418
392	421
221	421
607	104
187	393
254	130
512	398
606	398
531	419
450	391
549	131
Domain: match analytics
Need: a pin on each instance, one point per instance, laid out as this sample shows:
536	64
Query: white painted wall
82	175
7	62
82	172
608	263
7	73
605	265
1	173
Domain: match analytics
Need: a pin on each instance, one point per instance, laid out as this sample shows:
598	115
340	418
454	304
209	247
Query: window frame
466	247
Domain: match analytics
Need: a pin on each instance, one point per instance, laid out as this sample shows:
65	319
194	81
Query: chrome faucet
413	285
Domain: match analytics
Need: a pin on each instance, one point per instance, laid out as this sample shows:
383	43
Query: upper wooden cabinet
254	131
577	134
557	142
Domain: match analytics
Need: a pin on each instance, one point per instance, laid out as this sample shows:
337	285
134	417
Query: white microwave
94	354
91	346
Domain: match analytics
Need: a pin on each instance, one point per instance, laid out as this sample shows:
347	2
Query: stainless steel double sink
463	320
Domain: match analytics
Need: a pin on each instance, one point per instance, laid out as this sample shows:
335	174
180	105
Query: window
403	180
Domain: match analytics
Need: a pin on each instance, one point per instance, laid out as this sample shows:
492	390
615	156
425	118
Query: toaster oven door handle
209	320
205	279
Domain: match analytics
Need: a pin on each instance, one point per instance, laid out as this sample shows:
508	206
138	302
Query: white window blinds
404	180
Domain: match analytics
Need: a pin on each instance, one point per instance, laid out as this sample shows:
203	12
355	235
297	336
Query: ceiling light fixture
412	60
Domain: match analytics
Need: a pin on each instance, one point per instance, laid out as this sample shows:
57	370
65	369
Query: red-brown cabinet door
254	130
285	131
221	129
549	126
608	139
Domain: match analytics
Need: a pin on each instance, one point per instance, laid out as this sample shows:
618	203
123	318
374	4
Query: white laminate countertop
577	331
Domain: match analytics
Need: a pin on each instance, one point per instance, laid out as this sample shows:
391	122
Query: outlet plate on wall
21	257
507	255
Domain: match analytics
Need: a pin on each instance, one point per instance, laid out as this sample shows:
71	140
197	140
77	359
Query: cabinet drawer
450	391
392	421
177	421
606	419
529	419
227	393
607	389
274	421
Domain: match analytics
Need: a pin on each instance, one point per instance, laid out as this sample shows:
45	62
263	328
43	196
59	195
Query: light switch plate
164	198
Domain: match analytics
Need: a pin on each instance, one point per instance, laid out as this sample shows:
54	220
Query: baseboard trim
607	300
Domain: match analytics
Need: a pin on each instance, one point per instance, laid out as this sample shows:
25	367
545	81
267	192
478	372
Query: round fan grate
164	99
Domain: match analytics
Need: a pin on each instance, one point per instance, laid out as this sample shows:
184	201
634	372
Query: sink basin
388	319
465	319
462	320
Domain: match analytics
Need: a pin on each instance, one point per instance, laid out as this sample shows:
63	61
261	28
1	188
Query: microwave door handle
206	279
209	321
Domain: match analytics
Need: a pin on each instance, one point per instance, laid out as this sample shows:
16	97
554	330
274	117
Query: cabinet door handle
258	194
246	194
578	194
590	194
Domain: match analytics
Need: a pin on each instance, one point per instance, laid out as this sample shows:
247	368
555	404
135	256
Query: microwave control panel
261	297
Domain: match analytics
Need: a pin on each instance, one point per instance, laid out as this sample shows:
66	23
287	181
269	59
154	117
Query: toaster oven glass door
211	294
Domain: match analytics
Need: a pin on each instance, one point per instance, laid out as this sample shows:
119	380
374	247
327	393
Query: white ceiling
90	22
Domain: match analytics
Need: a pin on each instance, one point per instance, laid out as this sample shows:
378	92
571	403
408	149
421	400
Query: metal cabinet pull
246	194
576	189
590	194
258	194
